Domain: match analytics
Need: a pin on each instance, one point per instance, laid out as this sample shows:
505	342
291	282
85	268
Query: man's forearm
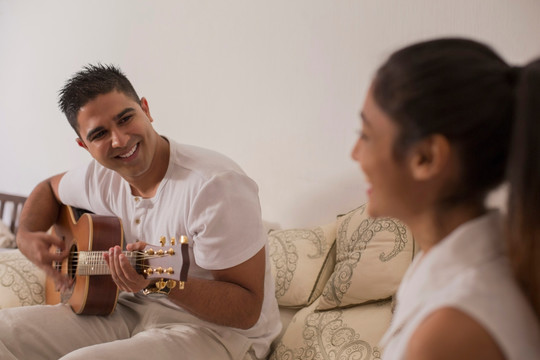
40	210
219	302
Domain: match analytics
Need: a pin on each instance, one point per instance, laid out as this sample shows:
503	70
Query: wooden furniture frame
15	204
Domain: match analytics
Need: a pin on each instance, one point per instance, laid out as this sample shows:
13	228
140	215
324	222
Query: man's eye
98	135
125	119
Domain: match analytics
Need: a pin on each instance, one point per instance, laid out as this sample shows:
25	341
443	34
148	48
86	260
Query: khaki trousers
139	328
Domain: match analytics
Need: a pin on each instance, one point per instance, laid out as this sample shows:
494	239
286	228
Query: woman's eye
362	135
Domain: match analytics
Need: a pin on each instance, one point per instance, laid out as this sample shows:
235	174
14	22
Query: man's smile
129	153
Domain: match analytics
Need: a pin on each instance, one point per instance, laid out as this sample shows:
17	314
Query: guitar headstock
169	261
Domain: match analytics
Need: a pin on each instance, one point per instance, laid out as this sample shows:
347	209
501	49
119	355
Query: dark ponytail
524	177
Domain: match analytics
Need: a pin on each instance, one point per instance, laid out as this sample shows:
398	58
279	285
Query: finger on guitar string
112	261
130	277
137	246
123	273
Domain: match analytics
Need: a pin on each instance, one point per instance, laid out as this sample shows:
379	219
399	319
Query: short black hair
87	84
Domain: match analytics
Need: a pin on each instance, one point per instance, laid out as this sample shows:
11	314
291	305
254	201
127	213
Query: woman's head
488	113
459	89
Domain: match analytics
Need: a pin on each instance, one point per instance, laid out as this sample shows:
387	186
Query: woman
445	122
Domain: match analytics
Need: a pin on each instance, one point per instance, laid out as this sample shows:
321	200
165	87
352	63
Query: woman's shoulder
449	333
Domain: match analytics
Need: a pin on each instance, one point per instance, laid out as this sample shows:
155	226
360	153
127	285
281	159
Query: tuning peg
183	239
162	240
160	284
173	241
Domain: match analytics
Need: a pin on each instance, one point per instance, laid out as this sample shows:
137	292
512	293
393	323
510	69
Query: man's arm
234	298
39	213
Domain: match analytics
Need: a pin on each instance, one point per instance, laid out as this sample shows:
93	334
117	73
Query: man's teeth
129	153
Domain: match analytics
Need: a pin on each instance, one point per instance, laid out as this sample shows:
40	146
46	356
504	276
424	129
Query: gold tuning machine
162	241
184	239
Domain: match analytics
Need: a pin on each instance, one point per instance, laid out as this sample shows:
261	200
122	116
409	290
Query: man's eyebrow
123	112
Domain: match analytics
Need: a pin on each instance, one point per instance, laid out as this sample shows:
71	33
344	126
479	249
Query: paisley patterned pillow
21	282
335	334
372	256
301	262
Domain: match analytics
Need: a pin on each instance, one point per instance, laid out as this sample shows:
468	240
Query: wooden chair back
10	209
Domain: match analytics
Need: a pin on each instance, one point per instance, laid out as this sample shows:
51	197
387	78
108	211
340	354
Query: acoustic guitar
88	237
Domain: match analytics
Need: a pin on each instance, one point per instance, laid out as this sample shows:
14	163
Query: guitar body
90	295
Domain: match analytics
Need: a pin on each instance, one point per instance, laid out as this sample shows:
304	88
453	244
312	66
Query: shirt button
137	199
137	221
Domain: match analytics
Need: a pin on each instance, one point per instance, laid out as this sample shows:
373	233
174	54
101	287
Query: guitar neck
93	263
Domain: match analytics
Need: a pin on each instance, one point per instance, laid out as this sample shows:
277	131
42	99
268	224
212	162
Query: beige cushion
21	282
301	262
372	256
351	333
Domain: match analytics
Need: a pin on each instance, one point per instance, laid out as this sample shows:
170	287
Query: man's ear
81	143
430	157
146	109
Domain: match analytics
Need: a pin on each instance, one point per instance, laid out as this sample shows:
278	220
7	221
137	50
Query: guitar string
94	260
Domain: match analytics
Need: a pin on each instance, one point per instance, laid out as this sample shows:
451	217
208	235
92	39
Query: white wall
276	85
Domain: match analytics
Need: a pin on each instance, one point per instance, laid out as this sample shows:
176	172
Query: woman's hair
490	112
524	177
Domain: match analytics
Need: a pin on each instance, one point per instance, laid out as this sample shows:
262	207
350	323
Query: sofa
334	284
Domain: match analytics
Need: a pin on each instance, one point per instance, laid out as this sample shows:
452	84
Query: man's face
118	133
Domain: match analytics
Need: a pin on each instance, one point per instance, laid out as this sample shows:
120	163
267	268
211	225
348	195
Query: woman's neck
431	227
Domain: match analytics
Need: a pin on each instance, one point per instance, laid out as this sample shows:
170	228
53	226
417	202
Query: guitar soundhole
72	261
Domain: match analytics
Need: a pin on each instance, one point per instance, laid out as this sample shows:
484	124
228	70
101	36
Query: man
157	187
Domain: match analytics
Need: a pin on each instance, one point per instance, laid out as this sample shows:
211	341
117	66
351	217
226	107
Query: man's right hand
44	249
39	213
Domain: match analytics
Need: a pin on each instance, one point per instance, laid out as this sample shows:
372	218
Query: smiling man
157	187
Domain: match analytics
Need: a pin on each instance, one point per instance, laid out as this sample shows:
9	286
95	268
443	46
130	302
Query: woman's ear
430	157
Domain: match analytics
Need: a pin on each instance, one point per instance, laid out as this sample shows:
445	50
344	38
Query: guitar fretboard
93	263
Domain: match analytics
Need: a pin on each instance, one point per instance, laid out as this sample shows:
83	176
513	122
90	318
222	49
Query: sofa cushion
301	262
21	282
372	256
351	333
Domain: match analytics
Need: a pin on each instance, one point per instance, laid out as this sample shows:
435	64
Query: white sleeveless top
469	271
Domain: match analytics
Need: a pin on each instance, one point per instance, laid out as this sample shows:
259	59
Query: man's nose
119	139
